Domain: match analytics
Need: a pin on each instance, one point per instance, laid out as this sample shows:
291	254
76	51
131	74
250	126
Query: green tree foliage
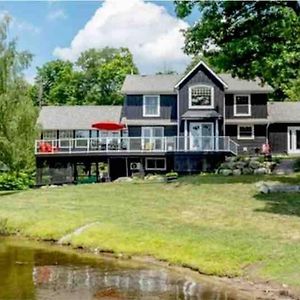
249	39
17	113
95	78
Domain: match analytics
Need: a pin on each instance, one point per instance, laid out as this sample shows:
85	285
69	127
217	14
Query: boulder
226	172
124	179
247	171
260	171
239	165
237	172
253	164
264	189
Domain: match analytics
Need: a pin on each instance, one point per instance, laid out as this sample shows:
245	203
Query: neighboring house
171	122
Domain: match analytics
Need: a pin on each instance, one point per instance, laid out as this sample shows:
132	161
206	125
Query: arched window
201	96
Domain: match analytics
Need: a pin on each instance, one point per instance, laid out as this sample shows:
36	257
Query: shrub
13	181
297	165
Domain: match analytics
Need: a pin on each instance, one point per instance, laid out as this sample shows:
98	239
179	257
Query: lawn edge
257	288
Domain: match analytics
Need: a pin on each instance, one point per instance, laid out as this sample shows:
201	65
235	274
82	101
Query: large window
152	138
65	138
245	132
242	105
201	96
49	135
82	137
156	164
151	106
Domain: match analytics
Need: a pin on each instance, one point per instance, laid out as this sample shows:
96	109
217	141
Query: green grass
220	225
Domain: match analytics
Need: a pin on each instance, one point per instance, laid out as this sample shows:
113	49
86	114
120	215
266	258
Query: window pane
201	96
82	137
160	163
157	131
151	105
242	105
245	131
65	137
49	134
150	164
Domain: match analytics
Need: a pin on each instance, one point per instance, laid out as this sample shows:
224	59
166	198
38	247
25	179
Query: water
39	271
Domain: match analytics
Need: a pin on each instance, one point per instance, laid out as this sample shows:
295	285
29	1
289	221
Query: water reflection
38	273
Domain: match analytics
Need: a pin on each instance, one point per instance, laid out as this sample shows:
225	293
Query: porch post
217	135
185	134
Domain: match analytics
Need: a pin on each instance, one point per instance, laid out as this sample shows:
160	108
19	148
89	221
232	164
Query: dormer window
242	105
201	96
151	106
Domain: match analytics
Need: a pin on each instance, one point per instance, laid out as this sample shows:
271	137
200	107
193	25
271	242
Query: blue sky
48	28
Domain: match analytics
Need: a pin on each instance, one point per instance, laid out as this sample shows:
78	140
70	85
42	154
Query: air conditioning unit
135	166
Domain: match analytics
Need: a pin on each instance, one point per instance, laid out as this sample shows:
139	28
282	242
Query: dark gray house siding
133	107
258	106
251	145
278	137
201	76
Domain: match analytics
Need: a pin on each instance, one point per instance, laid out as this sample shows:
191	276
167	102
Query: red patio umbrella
109	126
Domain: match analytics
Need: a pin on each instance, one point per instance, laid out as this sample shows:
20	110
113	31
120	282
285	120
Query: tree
166	72
95	78
17	113
55	84
104	71
248	38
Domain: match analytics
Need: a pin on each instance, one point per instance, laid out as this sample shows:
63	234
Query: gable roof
135	84
77	117
284	112
165	84
201	63
241	85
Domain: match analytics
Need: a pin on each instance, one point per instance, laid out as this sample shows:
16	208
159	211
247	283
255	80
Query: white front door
293	139
201	136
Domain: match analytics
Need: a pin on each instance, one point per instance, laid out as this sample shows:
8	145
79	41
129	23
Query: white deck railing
137	144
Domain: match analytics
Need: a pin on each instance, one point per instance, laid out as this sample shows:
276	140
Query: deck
135	145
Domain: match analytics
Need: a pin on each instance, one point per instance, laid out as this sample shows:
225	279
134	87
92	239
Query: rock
247	171
260	171
226	172
124	179
253	164
264	189
231	159
237	172
239	165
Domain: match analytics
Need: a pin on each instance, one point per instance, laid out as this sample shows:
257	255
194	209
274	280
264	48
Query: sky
63	29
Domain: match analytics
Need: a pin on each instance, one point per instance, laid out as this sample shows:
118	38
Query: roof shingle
77	117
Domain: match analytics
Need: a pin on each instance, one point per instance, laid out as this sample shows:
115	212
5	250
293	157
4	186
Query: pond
30	270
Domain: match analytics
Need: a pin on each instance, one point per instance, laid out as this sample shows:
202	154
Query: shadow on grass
247	179
7	193
280	203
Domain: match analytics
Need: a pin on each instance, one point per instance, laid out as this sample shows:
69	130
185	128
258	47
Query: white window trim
145	127
244	137
81	139
144	106
249	106
201	106
156	169
291	140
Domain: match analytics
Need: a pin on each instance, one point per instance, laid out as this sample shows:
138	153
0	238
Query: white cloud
56	15
24	26
147	29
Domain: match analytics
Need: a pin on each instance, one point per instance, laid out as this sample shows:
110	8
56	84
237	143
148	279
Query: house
169	122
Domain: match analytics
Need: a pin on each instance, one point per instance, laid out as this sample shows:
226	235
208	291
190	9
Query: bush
297	165
13	181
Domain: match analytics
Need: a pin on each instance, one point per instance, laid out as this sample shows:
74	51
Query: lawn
219	225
